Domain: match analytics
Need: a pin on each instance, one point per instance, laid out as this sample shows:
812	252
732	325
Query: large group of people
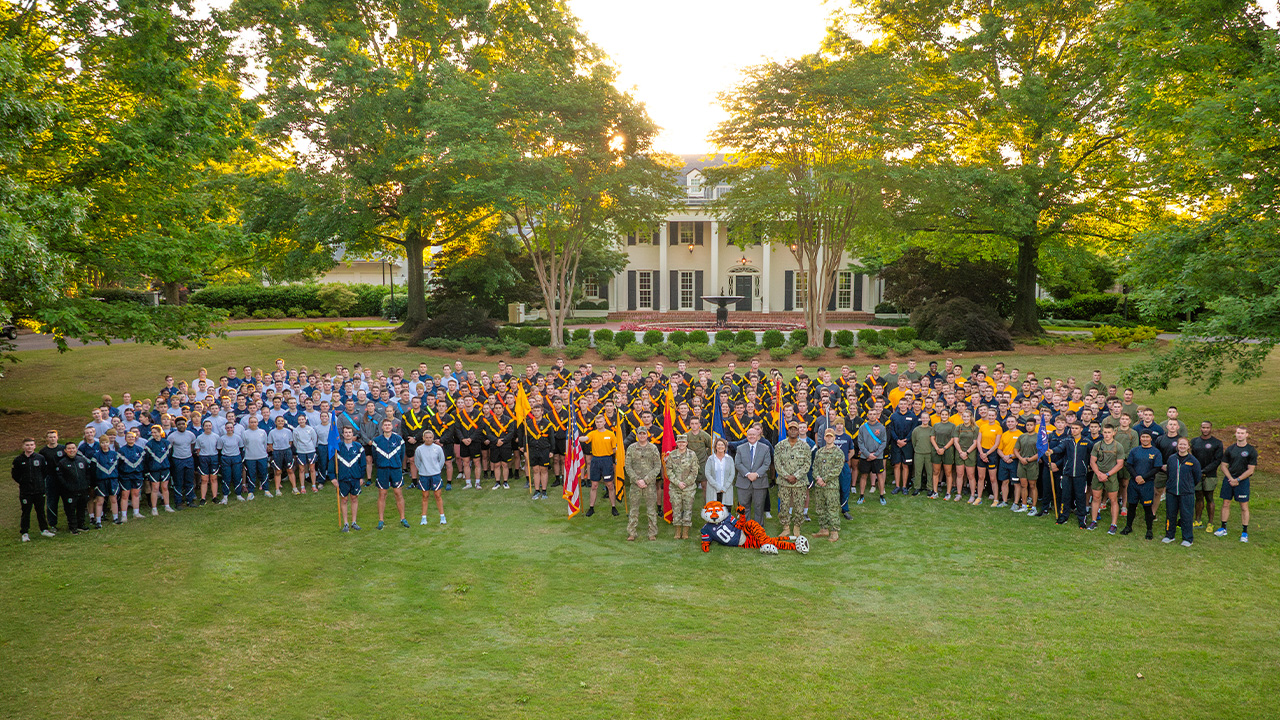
803	446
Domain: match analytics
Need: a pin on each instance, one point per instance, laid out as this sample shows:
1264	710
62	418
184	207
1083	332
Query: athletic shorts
1161	479
500	453
1144	493
447	449
991	463
470	451
1006	471
971	461
207	465
1239	492
282	459
161	476
1029	471
601	470
389	478
350	486
108	487
306	458
870	466
899	455
1208	483
950	457
429	483
130	482
559	445
539	458
1111	485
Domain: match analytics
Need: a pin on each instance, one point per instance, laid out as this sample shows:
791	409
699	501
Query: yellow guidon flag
522	405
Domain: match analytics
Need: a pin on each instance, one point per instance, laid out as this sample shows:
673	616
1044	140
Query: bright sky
677	55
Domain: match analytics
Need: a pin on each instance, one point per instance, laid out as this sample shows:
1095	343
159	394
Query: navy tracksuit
1180	494
1072	458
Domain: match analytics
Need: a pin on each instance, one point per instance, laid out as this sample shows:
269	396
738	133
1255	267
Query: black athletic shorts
870	466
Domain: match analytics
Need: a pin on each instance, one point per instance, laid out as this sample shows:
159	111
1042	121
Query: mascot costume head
722	529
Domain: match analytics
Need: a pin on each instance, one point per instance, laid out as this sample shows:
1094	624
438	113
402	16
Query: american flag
573	461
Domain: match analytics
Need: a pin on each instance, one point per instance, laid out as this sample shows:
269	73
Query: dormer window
694	183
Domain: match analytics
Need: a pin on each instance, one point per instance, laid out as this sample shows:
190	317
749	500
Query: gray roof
698	162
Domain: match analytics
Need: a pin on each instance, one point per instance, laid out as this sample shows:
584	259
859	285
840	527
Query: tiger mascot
741	532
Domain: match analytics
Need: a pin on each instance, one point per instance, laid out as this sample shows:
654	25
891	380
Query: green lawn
924	609
299	324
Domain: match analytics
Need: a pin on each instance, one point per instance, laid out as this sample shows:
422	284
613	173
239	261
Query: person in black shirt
73	471
1208	450
29	472
1240	460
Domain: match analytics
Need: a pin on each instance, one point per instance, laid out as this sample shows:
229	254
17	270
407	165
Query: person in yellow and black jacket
413	421
1070	457
558	416
499	430
1183	471
470	435
444	423
537	437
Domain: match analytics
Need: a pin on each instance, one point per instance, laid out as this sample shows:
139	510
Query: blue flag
333	436
1042	437
717	423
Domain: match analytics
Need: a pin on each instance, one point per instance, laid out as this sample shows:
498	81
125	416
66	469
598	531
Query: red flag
573	462
668	444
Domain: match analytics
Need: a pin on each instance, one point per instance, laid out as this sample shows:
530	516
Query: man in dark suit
752	462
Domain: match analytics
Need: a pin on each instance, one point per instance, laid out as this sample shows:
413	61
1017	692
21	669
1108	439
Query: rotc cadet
537	436
700	444
872	442
1240	460
1208	450
156	464
323	425
413	420
1183	471
1027	455
470	436
231	462
207	460
792	459
29	473
51	452
828	465
181	462
1143	463
349	471
1128	440
922	457
683	467
107	470
132	457
256	464
943	441
499	434
442	423
901	452
643	466
305	441
1070	458
74	474
1106	459
1007	464
390	468
428	462
602	446
280	450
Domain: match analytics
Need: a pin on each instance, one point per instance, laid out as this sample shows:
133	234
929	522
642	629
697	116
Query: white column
766	279
664	294
712	283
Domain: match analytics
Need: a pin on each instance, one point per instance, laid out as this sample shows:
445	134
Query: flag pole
527	472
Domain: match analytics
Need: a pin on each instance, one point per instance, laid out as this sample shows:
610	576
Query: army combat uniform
828	463
682	467
643	463
792	460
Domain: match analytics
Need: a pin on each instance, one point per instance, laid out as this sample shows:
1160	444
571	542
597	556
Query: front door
742	285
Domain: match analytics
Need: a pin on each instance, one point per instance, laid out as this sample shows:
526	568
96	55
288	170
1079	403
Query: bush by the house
798	338
888	337
674	353
907	334
608	351
1123	336
603	335
536	336
368	338
253	297
826	338
698	337
726	337
581	335
745	336
336	299
268	313
868	337
844	338
623	338
772	339
678	337
846	351
744	351
573	351
780	353
930	347
459	320
811	352
962	320
639	352
653	338
876	351
1086	306
903	348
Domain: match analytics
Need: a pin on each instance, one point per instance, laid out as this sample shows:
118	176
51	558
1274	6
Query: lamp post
391	274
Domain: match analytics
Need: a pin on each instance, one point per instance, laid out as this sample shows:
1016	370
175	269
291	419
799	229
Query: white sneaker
46	533
155	511
136	513
768	515
1166	540
250	496
240	498
442	520
264	492
948	497
496	486
424	520
26	537
169	508
1186	543
295	491
124	517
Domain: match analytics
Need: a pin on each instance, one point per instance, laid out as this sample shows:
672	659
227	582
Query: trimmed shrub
252	297
653	338
772	339
811	352
673	352
844	338
886	307
745	336
603	335
472	348
507	333
876	351
639	352
1124	337
296	313
573	351
608	351
893	322
368	338
799	338
517	349
744	351
961	319
780	353
706	353
549	352
535	336
337	300
435	343
958	346
678	337
868	337
888	337
846	351
623	338
930	347
726	336
1086	306
699	337
313	314
907	334
904	348
581	335
268	313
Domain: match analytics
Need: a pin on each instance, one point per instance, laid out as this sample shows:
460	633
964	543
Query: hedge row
769	340
250	298
1081	307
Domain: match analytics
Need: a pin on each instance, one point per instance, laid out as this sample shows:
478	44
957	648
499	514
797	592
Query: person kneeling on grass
389	448
348	460
428	462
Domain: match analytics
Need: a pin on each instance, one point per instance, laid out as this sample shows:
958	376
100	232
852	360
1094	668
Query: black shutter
673	233
604	289
857	291
831	301
697	289
631	238
697	233
631	289
788	290
657	289
675	289
657	235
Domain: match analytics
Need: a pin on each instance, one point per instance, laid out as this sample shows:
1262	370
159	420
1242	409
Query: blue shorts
1144	493
390	478
430	483
305	458
108	487
350	486
1007	471
601	470
900	455
1239	493
208	465
131	482
282	459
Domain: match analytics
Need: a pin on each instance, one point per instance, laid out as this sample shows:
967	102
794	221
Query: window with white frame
686	290
694	187
644	289
686	233
844	290
802	289
591	290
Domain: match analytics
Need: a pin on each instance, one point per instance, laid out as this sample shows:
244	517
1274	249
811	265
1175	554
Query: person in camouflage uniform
828	463
643	465
700	444
791	459
682	482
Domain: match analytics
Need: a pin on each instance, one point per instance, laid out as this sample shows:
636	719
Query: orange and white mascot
741	532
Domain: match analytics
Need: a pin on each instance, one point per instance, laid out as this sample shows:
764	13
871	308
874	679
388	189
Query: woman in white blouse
720	473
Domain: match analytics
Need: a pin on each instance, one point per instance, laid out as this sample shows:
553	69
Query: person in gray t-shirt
280	443
230	469
305	438
207	461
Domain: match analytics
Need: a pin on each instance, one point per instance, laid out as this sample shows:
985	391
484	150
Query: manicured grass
299	324
924	609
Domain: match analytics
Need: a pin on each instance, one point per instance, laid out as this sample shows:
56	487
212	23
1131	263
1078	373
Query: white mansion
689	255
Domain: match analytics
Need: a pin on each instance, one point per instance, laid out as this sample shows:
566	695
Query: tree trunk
1025	315
415	316
172	292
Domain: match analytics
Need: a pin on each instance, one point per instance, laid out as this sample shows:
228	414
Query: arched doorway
744	280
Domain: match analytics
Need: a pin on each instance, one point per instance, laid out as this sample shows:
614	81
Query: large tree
1202	96
357	87
808	166
1009	146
